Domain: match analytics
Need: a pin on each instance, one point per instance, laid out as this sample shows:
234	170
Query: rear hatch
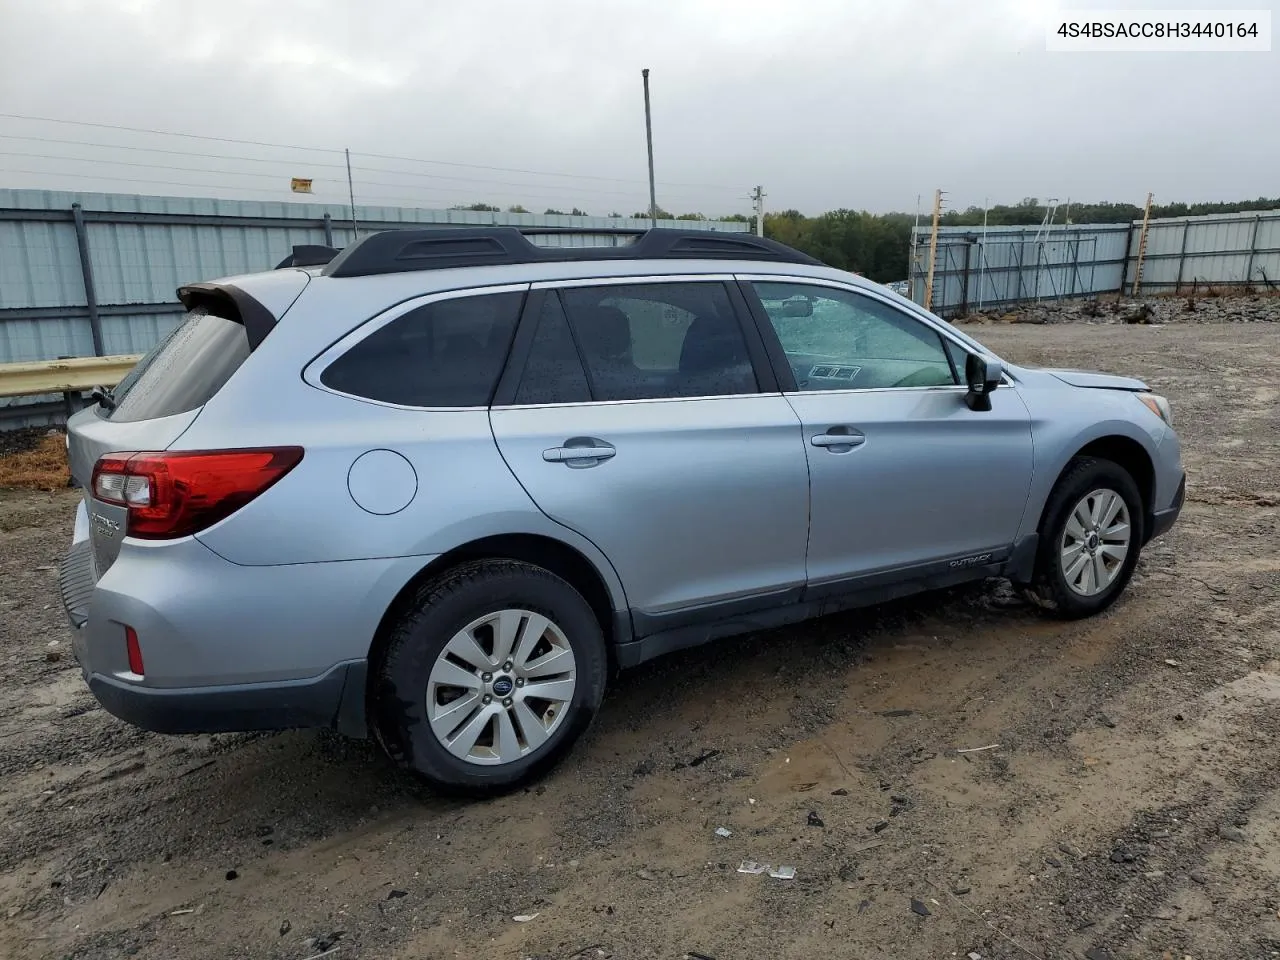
158	401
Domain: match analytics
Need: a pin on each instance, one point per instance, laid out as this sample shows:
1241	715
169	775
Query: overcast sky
827	103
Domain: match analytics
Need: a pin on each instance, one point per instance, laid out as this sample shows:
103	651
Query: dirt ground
1129	808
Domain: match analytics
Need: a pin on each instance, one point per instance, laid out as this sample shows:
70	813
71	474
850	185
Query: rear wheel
1090	539
490	676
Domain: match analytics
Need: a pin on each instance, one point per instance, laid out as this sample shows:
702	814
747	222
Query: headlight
1159	406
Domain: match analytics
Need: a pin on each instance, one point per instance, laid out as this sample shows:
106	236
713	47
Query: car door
643	417
904	477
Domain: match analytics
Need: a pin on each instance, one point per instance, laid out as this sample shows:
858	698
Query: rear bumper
1163	520
335	699
227	647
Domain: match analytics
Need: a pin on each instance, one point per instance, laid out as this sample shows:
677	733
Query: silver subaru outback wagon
439	486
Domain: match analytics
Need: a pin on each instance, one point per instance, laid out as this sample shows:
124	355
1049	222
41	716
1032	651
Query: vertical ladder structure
1142	248
933	250
1042	237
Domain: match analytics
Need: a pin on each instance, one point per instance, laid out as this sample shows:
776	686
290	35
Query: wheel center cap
1091	541
503	685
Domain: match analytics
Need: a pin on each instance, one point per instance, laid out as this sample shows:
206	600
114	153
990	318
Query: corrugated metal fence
91	273
1014	264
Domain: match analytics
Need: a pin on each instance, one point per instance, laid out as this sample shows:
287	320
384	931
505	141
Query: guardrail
73	375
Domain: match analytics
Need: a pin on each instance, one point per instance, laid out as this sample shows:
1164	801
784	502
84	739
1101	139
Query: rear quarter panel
464	490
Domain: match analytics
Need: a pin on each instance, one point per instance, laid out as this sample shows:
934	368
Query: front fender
1064	422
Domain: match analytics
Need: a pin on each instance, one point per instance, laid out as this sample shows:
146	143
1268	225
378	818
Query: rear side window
448	353
184	370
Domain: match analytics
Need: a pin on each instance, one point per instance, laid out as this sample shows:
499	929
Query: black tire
1049	588
440	609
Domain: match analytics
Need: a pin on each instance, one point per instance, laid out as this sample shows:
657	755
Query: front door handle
580	452
837	440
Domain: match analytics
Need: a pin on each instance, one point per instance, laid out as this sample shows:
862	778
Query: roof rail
436	248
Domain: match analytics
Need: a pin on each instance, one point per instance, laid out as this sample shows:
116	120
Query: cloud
826	103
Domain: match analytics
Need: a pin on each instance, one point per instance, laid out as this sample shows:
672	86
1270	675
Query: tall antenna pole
648	134
933	249
351	194
758	197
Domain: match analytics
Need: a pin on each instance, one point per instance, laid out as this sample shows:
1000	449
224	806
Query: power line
538	173
149	166
557	189
167	133
167	183
529	190
439	204
177	153
534	189
375	156
503	183
305	165
371	199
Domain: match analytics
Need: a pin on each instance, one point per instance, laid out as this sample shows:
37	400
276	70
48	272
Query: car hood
1101	381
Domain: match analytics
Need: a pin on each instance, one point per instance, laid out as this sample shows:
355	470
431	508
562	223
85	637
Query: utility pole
758	197
933	249
351	194
648	134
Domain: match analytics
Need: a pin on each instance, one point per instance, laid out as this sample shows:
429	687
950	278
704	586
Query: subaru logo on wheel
503	686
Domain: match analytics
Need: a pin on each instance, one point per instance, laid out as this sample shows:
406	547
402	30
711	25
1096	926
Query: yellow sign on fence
300	185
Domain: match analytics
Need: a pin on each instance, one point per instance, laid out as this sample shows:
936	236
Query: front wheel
1090	538
489	677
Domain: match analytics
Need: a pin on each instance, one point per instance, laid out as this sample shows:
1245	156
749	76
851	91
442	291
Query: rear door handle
851	439
580	453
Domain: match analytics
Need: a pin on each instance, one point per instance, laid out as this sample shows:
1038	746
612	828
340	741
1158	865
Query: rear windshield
183	370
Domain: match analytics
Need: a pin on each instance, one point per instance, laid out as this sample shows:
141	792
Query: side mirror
982	374
798	307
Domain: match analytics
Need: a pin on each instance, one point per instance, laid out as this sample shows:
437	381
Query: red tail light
171	495
134	651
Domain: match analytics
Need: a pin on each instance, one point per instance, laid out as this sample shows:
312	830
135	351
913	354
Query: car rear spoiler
231	303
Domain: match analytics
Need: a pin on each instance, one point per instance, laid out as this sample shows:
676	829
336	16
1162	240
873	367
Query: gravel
108	833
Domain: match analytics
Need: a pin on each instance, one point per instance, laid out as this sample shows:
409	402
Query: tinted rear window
183	370
443	354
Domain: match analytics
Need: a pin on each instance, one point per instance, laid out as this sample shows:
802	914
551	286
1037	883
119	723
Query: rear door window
447	353
184	370
659	340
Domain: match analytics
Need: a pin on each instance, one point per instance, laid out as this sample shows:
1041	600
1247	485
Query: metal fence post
328	230
1124	264
1182	256
1018	272
964	282
1253	249
86	274
1074	275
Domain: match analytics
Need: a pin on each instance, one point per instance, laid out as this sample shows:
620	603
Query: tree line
876	244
